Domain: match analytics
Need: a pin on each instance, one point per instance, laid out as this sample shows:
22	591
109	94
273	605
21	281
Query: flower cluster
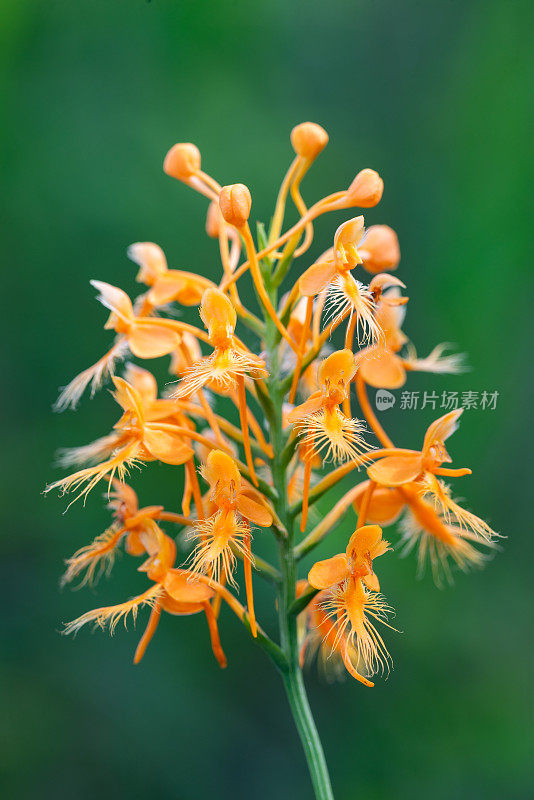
250	426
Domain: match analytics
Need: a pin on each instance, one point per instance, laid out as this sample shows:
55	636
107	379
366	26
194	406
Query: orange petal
363	540
395	470
385	506
151	260
128	398
442	428
372	582
316	278
182	587
178	608
115	299
143	381
328	572
253	511
166	446
221	469
382	369
380	249
151	341
167	288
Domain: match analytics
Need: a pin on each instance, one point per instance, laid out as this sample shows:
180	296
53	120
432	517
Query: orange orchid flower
349	602
322	423
166	285
137	441
424	466
174	591
229	527
397	470
345	294
145	337
97	558
422	529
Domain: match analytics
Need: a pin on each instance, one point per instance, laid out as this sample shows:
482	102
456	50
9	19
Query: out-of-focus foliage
436	97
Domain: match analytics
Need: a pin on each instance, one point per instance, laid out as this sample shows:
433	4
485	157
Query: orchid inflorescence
259	466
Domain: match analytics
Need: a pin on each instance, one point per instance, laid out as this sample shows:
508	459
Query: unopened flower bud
308	140
182	161
213	220
380	249
235	202
366	189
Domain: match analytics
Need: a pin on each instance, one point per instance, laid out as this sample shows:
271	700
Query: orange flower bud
235	202
308	140
213	220
380	249
182	161
366	189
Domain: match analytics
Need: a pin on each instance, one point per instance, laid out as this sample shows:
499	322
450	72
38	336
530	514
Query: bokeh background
437	97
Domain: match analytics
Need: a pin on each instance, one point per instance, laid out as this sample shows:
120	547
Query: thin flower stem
242	405
370	415
261	566
247	563
169	516
230	430
366	502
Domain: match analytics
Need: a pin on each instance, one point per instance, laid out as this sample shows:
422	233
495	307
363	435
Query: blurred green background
435	95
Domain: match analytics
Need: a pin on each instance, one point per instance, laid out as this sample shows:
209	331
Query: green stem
287	621
309	736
